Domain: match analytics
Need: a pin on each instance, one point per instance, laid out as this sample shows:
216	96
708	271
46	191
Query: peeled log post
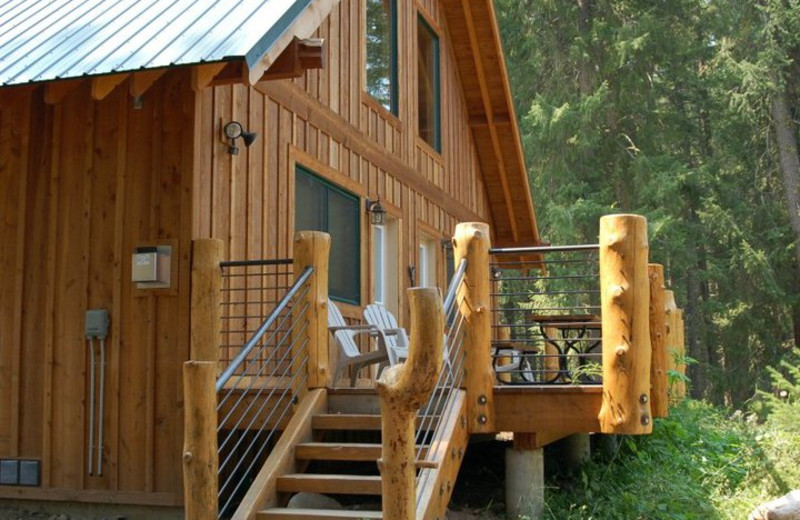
658	342
403	389
680	343
471	241
624	300
200	459
670	314
312	248
205	310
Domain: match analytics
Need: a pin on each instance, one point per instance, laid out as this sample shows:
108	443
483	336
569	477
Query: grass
700	463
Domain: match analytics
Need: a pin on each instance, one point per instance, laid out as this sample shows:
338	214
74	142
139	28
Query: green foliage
662	109
700	463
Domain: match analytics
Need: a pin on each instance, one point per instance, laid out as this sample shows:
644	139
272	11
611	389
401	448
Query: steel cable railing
435	414
546	314
258	389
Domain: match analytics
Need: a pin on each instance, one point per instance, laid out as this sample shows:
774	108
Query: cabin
188	191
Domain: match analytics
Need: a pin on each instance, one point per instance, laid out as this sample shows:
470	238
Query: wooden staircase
331	446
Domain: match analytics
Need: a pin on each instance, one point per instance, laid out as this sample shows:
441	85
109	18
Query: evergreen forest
685	111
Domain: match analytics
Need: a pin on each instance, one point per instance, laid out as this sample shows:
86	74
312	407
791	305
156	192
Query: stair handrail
247	349
435	414
258	390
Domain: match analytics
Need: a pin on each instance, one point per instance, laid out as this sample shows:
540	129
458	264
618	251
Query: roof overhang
46	41
475	38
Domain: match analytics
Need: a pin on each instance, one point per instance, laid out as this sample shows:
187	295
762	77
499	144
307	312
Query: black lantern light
377	214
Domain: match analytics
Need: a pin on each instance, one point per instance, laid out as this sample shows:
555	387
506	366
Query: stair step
332	484
355	421
347	451
346	421
280	513
330	451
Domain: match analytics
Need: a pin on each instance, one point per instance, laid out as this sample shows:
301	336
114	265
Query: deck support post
205	311
575	450
403	389
200	459
524	478
624	301
312	248
471	241
658	342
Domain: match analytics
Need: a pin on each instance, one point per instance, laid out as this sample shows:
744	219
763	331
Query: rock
313	501
785	508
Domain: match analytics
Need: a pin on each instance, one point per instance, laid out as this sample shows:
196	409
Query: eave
475	37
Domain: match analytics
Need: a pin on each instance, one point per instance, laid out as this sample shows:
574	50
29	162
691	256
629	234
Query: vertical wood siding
85	182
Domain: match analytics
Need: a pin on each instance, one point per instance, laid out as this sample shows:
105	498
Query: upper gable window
428	84
382	52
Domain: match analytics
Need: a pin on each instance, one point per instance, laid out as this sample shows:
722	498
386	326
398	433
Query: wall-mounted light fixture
234	131
377	214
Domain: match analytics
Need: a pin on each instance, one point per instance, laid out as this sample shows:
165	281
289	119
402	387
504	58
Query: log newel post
205	310
624	300
658	342
403	389
471	241
681	345
312	248
200	459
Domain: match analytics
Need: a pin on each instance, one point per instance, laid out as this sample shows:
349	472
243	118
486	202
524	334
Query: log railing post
658	342
205	310
681	345
200	459
670	314
403	389
471	241
624	300
312	248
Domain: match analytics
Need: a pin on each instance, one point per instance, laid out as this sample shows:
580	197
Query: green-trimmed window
428	95
321	206
382	52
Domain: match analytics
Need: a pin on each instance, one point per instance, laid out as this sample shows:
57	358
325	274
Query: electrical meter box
97	322
151	267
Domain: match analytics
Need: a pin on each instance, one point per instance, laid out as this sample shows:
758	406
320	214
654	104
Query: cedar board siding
326	122
85	182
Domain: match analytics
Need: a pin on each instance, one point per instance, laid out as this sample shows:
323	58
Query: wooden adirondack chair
350	355
394	336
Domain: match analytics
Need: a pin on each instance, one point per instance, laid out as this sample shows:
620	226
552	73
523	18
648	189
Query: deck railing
546	318
250	291
257	391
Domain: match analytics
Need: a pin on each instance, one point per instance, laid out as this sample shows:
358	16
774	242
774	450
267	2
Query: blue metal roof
43	40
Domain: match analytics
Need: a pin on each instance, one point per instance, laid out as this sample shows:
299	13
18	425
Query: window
385	257
449	261
382	52
427	263
321	206
428	84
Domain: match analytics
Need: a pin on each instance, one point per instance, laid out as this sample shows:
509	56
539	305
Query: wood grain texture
624	300
471	241
200	459
658	342
403	389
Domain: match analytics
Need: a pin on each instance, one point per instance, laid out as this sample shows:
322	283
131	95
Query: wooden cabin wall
84	183
326	122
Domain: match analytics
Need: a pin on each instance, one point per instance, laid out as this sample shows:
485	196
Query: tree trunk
789	161
585	65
